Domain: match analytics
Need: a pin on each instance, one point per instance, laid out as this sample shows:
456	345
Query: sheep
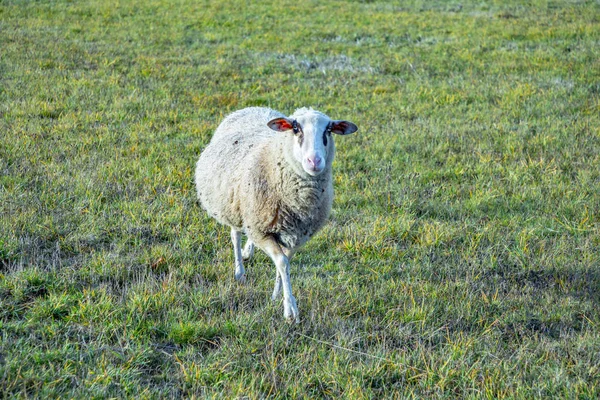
269	176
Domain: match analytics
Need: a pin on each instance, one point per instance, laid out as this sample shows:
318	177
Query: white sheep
269	176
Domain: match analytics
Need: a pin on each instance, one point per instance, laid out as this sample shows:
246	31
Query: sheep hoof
290	310
240	278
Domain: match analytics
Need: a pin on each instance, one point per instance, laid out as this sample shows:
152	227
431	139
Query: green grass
462	259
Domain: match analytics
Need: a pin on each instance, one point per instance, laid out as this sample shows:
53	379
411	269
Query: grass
463	252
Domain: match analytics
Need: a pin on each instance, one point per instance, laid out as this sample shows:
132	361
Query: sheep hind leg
248	251
240	272
277	289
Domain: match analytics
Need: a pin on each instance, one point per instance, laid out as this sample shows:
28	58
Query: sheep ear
343	127
280	124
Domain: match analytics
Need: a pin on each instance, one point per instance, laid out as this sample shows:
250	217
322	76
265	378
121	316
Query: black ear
343	127
280	124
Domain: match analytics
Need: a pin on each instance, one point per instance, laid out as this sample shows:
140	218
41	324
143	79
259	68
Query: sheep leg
282	263
248	250
277	288
240	272
289	253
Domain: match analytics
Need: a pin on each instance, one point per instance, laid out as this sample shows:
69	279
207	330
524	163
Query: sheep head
313	143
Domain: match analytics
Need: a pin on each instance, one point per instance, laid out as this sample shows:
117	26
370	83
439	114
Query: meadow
462	256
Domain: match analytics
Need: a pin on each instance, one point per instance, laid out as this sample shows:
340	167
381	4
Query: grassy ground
462	258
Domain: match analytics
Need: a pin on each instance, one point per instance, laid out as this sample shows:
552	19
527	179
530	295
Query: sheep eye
326	133
295	127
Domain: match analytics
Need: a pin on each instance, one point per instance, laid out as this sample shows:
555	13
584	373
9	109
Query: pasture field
462	257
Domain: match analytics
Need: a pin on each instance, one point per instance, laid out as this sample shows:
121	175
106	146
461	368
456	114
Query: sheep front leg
240	272
289	253
282	263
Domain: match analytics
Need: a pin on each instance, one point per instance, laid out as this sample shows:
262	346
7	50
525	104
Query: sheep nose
314	162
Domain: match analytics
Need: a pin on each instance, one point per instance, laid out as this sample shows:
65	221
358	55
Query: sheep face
313	146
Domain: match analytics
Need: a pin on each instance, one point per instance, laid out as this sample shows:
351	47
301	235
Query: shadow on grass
580	284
